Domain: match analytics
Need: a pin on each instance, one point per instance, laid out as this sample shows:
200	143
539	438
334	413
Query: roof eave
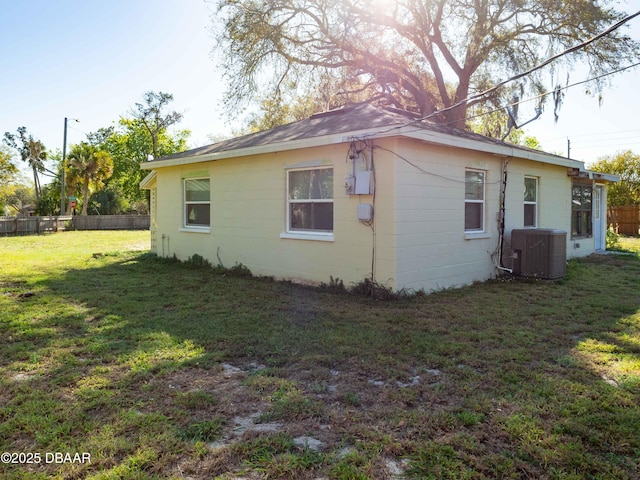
504	150
607	177
428	136
148	181
598	176
261	149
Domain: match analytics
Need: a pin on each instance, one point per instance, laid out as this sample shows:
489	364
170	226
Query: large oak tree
421	55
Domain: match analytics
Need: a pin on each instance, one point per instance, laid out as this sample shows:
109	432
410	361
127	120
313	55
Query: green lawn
156	369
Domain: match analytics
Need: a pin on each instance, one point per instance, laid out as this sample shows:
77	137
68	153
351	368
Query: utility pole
64	156
568	148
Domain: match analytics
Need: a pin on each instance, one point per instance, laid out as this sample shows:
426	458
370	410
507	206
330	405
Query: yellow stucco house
364	191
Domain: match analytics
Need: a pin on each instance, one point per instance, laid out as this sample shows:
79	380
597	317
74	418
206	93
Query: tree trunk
85	196
457	117
36	183
154	146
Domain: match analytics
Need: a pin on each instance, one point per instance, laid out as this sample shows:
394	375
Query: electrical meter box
349	185
363	182
365	212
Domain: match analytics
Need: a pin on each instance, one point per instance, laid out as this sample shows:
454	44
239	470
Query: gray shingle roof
351	118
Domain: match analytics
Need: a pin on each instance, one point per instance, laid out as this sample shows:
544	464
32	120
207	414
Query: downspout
373	222
503	195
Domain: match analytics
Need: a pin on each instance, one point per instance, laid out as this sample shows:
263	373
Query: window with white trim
581	210
197	203
310	200
474	200
530	201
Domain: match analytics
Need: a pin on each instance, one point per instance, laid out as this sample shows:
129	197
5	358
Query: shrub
335	285
613	239
239	270
371	288
198	261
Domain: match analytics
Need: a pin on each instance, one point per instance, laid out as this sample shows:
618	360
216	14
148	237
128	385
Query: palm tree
89	167
31	151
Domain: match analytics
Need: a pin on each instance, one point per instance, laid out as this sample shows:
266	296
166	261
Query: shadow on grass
514	378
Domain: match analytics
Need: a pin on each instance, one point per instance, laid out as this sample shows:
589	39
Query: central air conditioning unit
539	252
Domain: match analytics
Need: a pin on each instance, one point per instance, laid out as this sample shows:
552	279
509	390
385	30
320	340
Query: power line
428	172
596	143
549	60
566	87
622	69
595	134
538	67
604	145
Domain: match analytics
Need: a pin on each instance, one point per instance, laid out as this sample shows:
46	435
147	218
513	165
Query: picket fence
34	225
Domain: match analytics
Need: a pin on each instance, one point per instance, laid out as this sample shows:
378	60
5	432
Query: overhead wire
541	65
427	172
597	139
559	89
597	134
519	102
546	62
601	145
529	99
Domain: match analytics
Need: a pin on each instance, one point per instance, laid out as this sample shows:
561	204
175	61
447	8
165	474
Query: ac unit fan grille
539	252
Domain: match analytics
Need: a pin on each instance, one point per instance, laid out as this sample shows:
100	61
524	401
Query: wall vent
539	252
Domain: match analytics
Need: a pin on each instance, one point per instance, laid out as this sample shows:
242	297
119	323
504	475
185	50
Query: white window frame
528	202
481	201
186	225
580	213
326	235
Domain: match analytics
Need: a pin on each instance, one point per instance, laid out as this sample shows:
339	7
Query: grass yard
115	364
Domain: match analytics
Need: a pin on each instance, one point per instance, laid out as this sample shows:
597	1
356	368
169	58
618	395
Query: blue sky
93	60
